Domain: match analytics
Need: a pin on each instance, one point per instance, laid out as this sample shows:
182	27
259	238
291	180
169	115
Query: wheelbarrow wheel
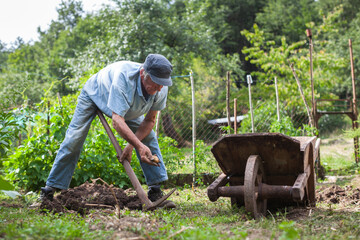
254	177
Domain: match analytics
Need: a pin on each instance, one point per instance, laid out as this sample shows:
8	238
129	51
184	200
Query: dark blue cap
159	69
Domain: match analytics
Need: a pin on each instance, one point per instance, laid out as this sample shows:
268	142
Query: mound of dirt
91	195
336	194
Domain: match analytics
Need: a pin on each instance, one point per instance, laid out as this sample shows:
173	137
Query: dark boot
155	194
47	192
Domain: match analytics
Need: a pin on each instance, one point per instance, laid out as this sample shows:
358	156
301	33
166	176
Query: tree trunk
170	131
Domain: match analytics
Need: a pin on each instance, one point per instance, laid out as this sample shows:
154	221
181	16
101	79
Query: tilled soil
339	195
92	195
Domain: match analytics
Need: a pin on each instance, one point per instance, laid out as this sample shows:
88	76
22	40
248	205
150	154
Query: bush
285	126
31	162
173	157
263	116
10	128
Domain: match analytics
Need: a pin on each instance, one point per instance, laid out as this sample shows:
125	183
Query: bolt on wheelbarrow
147	204
265	167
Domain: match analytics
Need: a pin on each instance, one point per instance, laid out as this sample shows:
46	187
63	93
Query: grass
194	218
337	156
24	223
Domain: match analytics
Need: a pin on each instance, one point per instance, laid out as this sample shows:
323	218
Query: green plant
289	230
98	159
31	162
9	130
225	129
285	126
173	157
205	162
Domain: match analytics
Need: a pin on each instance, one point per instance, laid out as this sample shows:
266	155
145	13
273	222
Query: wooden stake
157	128
235	115
228	99
59	99
193	124
48	118
277	100
309	35
303	96
354	107
249	81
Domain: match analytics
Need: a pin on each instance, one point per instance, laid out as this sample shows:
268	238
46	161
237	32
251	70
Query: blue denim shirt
117	88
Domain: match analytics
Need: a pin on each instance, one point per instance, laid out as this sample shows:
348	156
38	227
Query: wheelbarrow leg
312	178
254	177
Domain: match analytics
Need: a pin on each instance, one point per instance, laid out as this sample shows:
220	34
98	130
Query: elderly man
124	91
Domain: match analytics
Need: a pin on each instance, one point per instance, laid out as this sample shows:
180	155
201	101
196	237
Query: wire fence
176	120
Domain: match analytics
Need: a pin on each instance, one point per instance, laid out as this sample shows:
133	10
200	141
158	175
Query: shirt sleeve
160	100
119	101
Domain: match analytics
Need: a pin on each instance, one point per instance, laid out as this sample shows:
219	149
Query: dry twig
112	191
178	232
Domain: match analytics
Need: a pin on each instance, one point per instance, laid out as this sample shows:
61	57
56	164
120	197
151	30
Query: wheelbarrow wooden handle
147	204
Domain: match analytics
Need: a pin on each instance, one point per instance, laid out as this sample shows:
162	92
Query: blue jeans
70	149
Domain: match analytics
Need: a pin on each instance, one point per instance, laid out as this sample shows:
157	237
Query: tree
274	62
350	8
70	13
4	52
287	18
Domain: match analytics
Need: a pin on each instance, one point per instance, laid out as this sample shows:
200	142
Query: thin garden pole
249	81
235	115
302	95
59	99
48	118
157	124
309	35
355	113
228	100
193	124
277	100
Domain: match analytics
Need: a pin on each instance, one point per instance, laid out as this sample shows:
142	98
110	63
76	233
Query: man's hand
146	156
127	153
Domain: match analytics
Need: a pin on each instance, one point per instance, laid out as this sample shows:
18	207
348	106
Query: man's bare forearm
146	126
124	131
144	129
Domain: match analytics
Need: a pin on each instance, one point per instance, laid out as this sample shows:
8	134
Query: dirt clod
336	194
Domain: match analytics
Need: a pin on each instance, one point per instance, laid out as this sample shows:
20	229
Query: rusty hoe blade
155	204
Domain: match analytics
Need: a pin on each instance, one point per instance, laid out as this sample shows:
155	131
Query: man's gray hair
145	73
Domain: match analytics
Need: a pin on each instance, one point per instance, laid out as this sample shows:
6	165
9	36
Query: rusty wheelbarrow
259	167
